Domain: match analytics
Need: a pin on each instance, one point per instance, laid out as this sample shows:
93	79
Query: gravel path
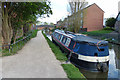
35	60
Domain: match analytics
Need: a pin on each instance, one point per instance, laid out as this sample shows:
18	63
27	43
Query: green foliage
51	23
45	23
110	22
72	72
20	15
56	50
28	12
34	33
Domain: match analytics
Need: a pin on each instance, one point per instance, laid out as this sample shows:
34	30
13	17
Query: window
56	35
77	47
64	39
61	38
67	42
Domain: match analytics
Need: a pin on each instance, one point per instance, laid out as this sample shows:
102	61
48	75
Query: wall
93	20
117	26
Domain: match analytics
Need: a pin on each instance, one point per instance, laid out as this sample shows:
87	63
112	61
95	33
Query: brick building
89	19
117	24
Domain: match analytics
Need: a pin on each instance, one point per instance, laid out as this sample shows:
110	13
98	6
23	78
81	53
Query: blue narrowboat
86	52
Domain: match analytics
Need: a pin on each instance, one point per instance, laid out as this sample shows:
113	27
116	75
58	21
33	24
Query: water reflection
114	67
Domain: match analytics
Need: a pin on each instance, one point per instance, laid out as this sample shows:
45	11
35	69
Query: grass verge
97	33
73	73
19	45
56	50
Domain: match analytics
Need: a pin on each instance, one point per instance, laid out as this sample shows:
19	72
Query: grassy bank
18	46
73	73
56	50
97	33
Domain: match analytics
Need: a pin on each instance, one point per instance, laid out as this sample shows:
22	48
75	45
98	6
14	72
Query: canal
114	65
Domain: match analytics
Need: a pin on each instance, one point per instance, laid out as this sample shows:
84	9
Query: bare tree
75	8
76	5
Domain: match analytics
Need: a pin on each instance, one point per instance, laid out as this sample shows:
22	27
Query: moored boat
86	52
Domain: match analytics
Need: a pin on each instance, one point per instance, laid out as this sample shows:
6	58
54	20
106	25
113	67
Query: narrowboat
86	52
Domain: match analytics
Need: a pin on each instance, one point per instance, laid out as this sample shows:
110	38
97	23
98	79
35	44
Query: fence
24	40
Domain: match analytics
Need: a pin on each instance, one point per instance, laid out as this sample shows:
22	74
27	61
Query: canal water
114	65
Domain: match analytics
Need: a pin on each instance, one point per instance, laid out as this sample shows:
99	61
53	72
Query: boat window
76	48
61	38
67	42
56	35
64	39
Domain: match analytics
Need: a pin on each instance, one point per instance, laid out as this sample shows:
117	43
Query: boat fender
102	67
99	65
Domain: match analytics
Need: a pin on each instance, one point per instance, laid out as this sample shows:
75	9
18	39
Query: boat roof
62	32
81	38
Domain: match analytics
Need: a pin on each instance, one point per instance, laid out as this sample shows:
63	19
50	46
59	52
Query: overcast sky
59	8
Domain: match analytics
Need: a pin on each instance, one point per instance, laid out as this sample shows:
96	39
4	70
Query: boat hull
92	66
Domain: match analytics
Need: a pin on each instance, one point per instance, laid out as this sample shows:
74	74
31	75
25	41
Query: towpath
35	60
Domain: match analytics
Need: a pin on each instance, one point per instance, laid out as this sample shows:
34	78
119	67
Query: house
40	27
117	24
89	18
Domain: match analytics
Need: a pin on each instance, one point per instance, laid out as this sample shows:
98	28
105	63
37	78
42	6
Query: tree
74	7
19	15
45	23
51	23
110	22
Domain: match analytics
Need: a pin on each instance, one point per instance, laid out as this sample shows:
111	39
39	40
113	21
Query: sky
59	8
